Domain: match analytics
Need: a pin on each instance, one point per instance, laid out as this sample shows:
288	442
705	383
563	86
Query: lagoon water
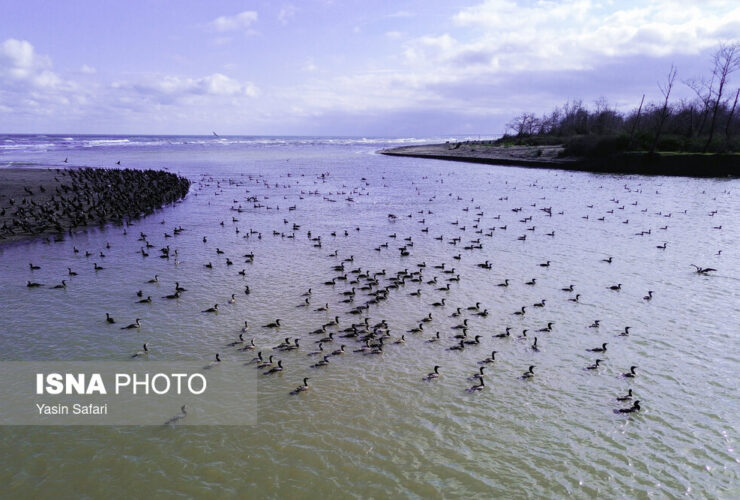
369	426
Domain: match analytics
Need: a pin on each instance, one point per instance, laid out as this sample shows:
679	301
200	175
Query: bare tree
636	122
729	117
666	91
726	61
703	91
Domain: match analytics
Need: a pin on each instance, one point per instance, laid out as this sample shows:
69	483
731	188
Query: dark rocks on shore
70	199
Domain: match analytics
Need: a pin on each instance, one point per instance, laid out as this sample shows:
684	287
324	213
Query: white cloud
393	35
286	13
20	65
171	88
241	21
88	70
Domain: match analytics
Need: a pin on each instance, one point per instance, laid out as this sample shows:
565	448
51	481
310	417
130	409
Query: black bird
631	373
599	349
626	397
634	408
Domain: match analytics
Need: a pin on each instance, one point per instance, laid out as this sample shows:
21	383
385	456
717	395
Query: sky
404	68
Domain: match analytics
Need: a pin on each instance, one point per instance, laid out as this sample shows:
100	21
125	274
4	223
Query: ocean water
369	426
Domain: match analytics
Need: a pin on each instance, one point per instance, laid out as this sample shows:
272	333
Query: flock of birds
352	323
89	196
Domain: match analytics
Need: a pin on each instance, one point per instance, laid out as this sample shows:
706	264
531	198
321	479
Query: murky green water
369	426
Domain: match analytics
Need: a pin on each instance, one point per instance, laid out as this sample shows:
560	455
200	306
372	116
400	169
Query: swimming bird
534	345
147	300
274	324
634	408
631	373
529	373
520	312
71	272
575	299
473	342
141	353
432	375
594	366
595	324
237	342
265	364
505	283
627	397
301	388
478	387
136	324
176	418
434	339
213	363
548	328
275	369
704	270
649	296
568	288
489	360
323	362
154	280
211	309
599	349
249	347
626	331
63	284
109	319
507	333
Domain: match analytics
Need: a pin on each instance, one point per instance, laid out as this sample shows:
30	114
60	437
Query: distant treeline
706	123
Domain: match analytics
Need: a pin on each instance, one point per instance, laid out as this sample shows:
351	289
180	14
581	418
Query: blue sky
322	67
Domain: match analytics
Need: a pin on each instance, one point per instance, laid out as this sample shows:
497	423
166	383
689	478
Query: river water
369	426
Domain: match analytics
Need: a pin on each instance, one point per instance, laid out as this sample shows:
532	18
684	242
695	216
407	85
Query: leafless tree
666	91
726	61
729	117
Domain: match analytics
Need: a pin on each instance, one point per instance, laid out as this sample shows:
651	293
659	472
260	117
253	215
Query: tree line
707	122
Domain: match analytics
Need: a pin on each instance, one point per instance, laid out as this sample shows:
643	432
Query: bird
301	388
489	360
176	418
136	324
141	353
211	309
275	369
529	373
616	287
599	349
594	366
627	397
634	408
274	324
649	296
631	373
109	318
432	375
478	387
323	362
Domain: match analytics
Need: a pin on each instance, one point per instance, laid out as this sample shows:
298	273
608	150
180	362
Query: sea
371	426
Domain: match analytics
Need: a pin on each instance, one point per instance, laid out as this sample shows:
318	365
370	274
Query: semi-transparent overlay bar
127	393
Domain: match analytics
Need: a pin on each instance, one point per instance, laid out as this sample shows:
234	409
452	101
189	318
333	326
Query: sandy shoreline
685	165
44	202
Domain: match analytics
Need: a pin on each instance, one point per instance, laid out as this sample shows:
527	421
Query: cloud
286	13
169	89
241	21
21	66
88	70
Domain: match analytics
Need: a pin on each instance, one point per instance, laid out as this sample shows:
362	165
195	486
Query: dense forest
706	123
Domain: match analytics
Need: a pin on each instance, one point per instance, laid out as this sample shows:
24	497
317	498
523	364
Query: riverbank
550	156
38	202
